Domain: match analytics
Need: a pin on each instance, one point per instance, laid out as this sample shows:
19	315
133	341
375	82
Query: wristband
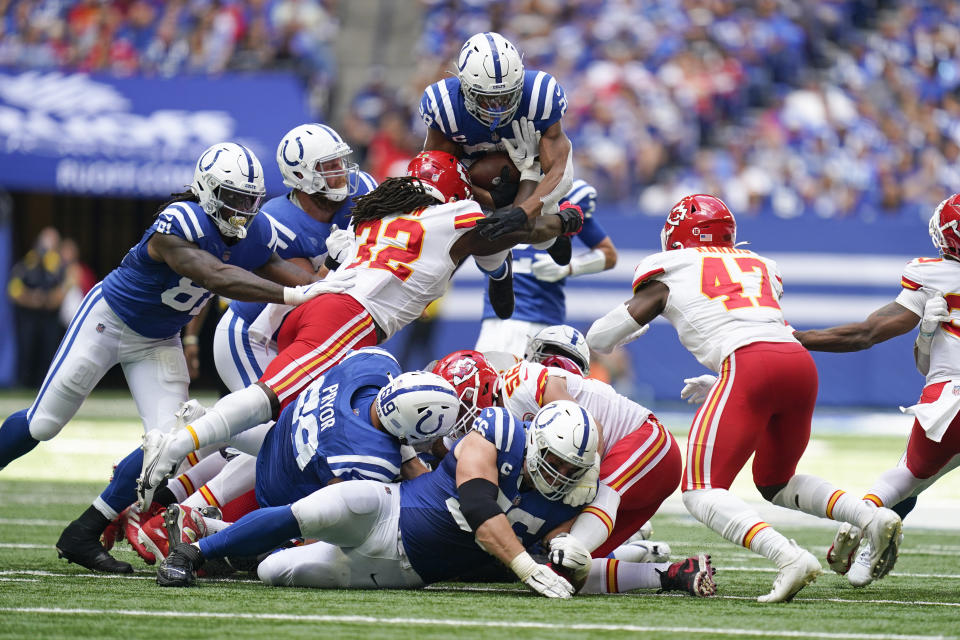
523	565
189	341
927	335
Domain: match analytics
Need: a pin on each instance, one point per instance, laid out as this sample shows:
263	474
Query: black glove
330	263
571	218
502	222
503	191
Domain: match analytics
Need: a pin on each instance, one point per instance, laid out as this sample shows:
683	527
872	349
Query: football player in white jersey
930	296
724	304
411	234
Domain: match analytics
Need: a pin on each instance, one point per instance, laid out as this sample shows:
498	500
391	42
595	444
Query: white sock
594	524
236	478
608	575
232	414
893	486
187	482
213	526
821	498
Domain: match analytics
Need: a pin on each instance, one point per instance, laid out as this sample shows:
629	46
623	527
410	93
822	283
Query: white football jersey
403	261
921	279
522	387
720	299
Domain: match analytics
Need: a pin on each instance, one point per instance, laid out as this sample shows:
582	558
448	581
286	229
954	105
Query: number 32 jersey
403	261
720	299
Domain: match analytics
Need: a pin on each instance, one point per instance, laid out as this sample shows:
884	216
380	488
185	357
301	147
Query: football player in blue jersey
206	240
450	520
538	282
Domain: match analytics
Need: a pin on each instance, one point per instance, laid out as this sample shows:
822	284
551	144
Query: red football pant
644	468
925	457
313	337
762	403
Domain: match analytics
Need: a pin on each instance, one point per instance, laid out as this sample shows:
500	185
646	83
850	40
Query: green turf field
43	597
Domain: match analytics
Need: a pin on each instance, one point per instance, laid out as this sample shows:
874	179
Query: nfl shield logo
956	389
101	329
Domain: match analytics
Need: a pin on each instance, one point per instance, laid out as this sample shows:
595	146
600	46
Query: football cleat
693	575
800	571
157	465
152	541
135	523
845	545
883	532
114	531
183	524
859	574
643	551
179	568
81	546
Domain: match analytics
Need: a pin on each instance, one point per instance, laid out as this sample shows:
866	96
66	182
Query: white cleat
859	574
844	547
643	533
643	551
157	466
188	412
794	576
883	532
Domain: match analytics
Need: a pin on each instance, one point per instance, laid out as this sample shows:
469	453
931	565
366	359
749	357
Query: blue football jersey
442	108
539	301
438	541
154	300
535	516
327	433
300	236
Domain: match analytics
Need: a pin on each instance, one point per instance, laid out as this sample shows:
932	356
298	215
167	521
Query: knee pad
173	367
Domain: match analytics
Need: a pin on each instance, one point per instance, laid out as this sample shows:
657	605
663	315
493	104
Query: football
487	168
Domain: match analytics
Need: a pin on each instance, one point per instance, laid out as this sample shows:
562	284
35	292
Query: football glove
524	149
545	269
294	296
935	311
568	552
571	218
585	490
695	390
339	243
501	222
540	577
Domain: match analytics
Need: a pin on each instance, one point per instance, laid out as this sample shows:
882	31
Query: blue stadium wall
834	271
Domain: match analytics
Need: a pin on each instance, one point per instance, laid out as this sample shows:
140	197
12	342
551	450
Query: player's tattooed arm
885	323
189	260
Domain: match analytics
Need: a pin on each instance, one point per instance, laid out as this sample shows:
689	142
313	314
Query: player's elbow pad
612	330
478	501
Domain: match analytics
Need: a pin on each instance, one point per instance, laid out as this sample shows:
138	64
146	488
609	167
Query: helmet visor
495	107
333	176
245	203
554	476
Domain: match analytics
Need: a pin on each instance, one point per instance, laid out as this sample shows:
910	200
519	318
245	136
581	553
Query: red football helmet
699	221
561	362
475	381
442	175
945	227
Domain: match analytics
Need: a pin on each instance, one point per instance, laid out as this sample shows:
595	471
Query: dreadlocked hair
183	196
393	196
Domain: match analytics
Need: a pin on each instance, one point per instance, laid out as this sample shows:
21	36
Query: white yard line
33	522
488	624
949	576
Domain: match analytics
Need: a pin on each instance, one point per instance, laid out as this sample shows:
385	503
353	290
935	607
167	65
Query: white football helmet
417	406
313	159
562	441
560	340
490	70
228	181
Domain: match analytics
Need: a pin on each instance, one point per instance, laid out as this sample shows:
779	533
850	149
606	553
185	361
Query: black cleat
82	546
179	568
501	291
561	250
693	575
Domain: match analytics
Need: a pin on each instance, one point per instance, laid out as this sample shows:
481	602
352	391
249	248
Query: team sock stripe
192	458
303	380
831	503
186	484
193	434
906	283
602	515
208	496
613	585
752	533
308	367
627	475
875	499
713	401
541	387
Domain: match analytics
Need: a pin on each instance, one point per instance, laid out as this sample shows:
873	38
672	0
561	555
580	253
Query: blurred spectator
392	146
79	278
36	288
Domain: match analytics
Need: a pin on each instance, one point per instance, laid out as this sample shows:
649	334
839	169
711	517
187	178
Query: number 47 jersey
720	299
403	261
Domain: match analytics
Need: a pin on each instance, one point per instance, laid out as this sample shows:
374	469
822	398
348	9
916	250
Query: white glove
540	577
545	269
339	243
695	390
524	148
935	311
567	551
586	489
298	295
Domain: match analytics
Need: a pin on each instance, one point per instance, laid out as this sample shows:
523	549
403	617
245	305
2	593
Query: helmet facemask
492	107
232	209
335	178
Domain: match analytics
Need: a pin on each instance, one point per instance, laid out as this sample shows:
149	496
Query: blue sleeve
592	233
179	220
548	102
499	427
437	107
